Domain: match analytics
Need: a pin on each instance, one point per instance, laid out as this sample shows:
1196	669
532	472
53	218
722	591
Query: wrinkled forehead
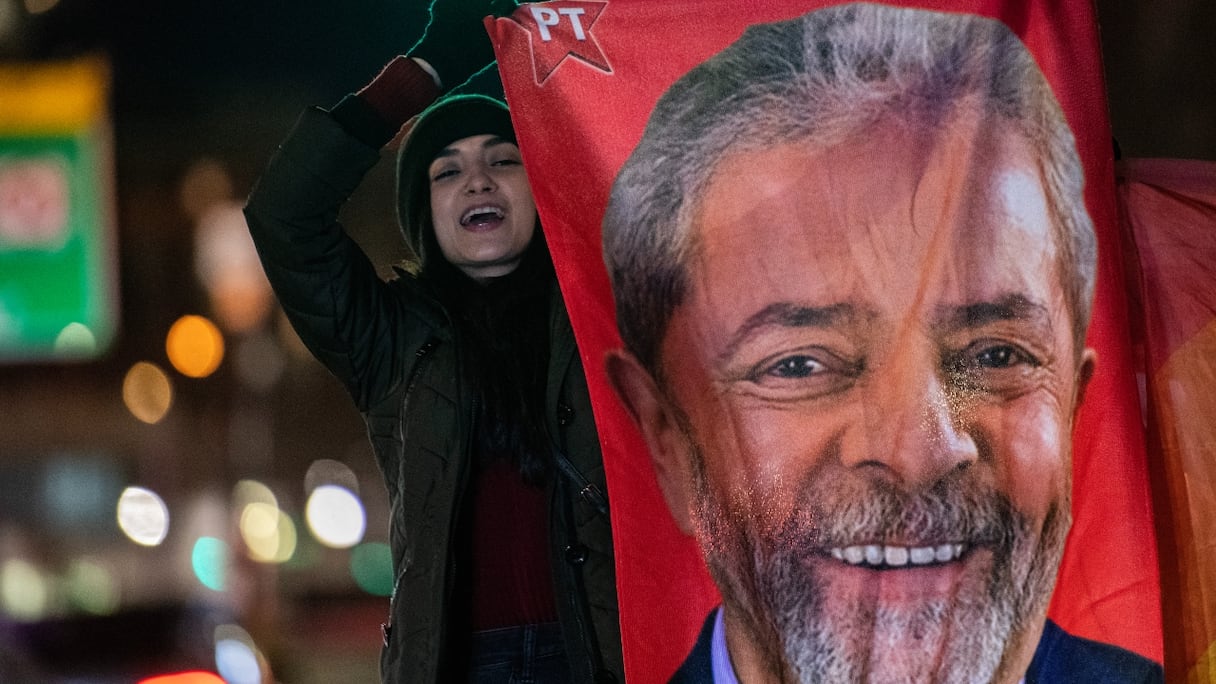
958	212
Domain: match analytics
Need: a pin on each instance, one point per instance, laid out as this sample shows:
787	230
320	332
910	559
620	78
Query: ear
1085	373
670	451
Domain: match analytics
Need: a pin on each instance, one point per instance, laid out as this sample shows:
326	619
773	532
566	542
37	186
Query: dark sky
1160	56
224	79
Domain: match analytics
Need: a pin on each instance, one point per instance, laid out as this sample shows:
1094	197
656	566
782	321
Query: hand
455	43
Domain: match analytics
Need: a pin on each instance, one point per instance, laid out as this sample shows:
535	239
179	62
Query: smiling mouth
887	557
481	216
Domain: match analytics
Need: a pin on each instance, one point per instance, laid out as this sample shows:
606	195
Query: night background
199	96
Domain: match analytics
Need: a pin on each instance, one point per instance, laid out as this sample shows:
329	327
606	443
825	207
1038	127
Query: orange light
195	346
184	678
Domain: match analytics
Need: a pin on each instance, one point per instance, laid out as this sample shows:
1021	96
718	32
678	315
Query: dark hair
502	324
502	327
446	121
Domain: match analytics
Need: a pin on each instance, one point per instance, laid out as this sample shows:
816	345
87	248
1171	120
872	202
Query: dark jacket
394	347
1060	658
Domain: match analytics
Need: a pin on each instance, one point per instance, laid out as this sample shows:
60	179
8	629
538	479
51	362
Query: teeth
469	214
873	554
897	556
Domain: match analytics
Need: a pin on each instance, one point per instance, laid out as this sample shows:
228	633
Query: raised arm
327	286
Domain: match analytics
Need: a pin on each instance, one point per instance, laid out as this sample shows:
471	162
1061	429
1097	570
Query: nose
479	179
918	430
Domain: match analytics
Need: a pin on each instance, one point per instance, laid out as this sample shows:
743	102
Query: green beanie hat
443	123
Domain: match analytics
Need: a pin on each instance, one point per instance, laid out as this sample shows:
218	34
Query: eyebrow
492	141
789	315
1008	307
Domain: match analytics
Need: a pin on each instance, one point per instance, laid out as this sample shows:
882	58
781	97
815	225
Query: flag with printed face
846	281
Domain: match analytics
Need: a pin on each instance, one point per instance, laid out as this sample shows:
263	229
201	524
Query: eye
445	172
508	161
1001	356
797	375
993	366
799	366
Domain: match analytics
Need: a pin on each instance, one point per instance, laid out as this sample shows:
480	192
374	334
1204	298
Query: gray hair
822	78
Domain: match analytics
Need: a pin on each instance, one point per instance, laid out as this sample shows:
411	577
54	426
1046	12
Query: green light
371	564
209	560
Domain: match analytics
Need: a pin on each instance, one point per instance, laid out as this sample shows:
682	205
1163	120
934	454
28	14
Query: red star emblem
561	29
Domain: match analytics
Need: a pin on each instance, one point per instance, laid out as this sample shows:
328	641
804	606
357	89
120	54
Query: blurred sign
58	289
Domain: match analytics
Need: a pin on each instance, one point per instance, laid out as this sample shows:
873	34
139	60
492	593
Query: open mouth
885	557
482	216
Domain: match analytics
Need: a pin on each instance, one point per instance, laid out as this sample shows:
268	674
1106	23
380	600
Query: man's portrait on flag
854	261
871	441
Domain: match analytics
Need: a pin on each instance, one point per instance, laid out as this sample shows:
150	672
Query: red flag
581	96
1168	214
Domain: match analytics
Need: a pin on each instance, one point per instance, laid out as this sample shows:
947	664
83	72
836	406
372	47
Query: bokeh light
371	564
335	516
327	471
23	590
227	265
269	534
205	184
195	346
237	656
143	516
209	560
147	393
40	6
246	492
92	588
194	677
75	341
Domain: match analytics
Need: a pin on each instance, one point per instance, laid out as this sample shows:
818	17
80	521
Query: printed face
866	403
481	205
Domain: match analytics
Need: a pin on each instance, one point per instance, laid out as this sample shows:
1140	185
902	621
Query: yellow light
147	393
52	97
251	491
195	346
23	590
270	536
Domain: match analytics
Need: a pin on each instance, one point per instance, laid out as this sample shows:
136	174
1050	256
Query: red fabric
578	118
1168	212
400	91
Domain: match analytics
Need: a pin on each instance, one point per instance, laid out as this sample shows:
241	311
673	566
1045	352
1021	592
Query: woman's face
481	205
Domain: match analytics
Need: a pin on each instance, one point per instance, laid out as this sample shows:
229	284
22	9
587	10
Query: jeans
531	654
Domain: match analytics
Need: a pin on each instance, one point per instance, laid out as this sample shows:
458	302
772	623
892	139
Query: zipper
423	354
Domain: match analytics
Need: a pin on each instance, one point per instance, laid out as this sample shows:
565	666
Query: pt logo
562	29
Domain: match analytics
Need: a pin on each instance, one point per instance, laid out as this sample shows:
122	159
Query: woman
467	377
